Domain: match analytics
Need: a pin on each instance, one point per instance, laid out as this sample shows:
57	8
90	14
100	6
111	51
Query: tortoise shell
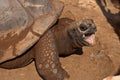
22	22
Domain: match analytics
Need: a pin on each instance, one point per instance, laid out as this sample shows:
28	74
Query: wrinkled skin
62	39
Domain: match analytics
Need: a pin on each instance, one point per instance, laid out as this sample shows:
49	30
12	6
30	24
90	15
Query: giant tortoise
29	32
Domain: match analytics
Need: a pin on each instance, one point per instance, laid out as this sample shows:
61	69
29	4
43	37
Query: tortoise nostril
83	28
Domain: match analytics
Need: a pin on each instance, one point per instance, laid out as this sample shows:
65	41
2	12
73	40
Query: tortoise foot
47	59
51	72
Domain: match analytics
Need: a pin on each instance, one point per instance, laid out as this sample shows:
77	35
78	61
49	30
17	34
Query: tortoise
29	32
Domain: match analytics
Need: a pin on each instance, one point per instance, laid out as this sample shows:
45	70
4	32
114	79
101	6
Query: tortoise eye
83	28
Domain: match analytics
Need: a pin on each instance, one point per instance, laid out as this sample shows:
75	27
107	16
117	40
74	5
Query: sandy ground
96	62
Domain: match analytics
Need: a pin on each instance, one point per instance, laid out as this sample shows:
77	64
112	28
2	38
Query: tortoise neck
63	41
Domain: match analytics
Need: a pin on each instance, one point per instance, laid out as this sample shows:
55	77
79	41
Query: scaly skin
64	38
47	58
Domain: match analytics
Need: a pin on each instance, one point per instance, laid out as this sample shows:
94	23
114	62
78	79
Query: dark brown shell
22	22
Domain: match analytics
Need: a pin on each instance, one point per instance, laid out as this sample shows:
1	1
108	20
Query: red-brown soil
96	62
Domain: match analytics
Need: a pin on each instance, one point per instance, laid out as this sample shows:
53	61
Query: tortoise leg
47	59
18	62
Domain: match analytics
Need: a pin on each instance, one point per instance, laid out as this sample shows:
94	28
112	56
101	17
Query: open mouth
89	38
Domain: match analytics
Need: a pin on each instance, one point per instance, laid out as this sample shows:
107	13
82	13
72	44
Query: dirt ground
96	62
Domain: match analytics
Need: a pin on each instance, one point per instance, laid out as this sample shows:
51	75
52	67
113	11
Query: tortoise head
82	33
